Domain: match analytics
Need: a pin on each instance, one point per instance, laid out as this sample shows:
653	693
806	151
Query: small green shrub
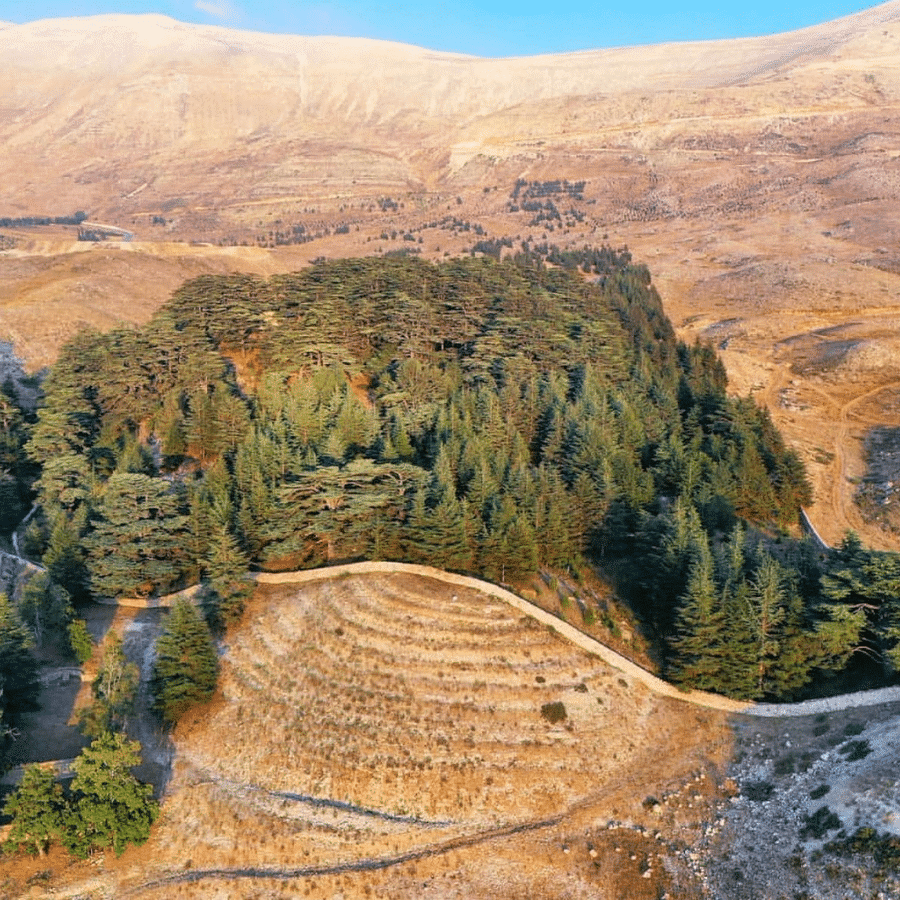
819	791
785	765
820	823
851	729
883	848
758	790
554	712
856	750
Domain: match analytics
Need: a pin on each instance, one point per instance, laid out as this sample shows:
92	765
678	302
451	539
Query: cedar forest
481	416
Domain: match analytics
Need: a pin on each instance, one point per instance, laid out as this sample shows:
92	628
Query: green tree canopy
19	685
109	807
36	808
186	666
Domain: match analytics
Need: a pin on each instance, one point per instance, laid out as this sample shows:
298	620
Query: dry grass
407	713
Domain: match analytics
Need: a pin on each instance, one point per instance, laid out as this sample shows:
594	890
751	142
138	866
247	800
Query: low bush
819	823
758	790
554	712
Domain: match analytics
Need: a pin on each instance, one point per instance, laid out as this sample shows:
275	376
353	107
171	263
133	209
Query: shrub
785	765
820	823
758	790
554	712
856	750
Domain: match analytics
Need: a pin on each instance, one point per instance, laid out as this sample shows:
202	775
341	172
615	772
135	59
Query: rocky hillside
118	114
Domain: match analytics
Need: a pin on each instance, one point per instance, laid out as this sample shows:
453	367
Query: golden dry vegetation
382	735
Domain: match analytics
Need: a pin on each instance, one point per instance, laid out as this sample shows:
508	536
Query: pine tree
36	808
739	665
186	667
860	589
44	607
65	558
226	570
699	648
138	542
768	616
110	807
19	685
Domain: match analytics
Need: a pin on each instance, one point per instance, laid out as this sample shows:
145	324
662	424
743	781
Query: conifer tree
45	608
699	647
739	676
137	546
18	668
36	808
187	666
65	557
110	807
226	571
860	590
767	601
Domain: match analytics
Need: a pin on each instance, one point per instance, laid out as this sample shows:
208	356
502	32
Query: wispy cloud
223	10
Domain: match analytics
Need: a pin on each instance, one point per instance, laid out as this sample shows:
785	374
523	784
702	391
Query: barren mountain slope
759	179
95	109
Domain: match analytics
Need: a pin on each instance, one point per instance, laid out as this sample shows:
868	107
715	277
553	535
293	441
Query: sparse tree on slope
186	663
36	807
110	807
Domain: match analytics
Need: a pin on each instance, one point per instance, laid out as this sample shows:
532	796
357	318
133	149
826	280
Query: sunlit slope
371	715
117	113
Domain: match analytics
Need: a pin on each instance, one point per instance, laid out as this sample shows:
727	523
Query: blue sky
480	27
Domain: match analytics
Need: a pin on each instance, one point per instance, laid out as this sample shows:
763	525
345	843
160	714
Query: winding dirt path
367	864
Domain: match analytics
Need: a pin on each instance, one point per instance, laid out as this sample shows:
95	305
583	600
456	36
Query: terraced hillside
379	731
